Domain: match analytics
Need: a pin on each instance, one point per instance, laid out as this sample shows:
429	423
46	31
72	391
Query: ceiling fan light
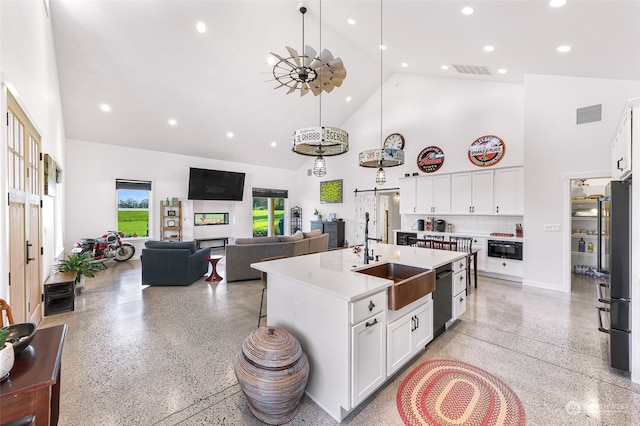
319	166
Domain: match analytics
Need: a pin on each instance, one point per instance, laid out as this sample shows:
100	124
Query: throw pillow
290	238
313	233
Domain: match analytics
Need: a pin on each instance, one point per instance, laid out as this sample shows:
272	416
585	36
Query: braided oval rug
448	392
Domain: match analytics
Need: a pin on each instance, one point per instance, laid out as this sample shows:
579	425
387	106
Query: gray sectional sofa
246	251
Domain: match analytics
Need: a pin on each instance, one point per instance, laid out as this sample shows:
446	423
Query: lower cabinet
368	357
459	289
407	335
505	266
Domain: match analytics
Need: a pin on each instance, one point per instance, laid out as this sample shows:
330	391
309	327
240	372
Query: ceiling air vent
589	114
472	69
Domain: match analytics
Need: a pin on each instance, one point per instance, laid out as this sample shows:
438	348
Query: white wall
28	70
93	169
448	113
555	150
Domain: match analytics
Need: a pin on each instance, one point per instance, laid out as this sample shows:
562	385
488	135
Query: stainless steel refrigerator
614	257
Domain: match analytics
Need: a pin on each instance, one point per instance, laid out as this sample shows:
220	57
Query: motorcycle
108	246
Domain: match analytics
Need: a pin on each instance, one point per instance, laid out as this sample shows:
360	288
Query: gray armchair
173	263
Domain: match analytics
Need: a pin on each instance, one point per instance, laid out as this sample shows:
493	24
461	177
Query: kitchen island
341	318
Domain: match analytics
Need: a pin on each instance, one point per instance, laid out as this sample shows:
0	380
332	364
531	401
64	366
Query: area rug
447	392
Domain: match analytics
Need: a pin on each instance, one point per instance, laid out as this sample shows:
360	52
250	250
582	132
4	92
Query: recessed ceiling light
105	107
404	65
444	67
502	70
563	49
351	21
271	60
383	47
274	144
201	27
488	48
229	135
557	3
467	10
172	122
348	99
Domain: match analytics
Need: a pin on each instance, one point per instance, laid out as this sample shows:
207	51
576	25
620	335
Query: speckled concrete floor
139	355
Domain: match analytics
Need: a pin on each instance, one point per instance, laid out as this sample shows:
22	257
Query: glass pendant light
380	176
319	166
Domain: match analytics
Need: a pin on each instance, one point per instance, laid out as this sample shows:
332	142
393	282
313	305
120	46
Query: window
133	207
268	211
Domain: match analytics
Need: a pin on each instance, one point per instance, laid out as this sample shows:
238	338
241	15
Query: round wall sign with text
430	159
487	151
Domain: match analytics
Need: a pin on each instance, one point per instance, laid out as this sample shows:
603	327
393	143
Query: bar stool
263	278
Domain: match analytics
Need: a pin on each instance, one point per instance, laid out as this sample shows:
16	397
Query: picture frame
171	223
331	191
171	212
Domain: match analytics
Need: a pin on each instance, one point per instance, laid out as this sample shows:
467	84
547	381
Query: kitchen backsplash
470	224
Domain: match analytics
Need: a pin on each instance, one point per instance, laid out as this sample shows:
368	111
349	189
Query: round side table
214	275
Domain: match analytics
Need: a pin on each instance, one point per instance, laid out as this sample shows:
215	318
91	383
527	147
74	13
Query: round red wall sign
487	151
430	159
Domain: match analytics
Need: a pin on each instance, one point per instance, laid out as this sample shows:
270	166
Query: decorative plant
317	213
83	264
4	332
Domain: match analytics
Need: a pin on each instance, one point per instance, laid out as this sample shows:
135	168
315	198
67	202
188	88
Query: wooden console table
33	386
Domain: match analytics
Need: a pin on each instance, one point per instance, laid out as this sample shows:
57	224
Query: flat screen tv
215	185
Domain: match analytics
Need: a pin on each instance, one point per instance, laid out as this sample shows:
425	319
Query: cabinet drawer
459	265
505	266
459	305
369	306
459	281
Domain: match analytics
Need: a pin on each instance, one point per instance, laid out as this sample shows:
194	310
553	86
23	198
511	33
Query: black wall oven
505	249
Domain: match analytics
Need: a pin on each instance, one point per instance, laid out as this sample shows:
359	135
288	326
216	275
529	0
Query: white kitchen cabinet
433	194
505	266
407	196
472	193
458	288
508	193
407	335
368	362
622	144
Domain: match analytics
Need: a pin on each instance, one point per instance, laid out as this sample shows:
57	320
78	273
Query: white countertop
333	272
460	234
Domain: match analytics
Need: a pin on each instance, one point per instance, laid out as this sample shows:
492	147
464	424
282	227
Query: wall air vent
309	172
589	114
472	69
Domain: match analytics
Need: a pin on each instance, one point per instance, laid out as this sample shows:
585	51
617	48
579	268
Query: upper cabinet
485	192
472	192
433	194
622	143
508	194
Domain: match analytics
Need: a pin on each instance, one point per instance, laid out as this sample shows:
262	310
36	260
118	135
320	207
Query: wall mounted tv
215	185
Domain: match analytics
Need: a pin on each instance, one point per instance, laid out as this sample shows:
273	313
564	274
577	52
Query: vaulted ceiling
145	59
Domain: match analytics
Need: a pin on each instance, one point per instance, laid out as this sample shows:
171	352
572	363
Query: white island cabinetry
341	317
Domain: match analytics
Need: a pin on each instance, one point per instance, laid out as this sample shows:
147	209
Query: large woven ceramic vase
272	371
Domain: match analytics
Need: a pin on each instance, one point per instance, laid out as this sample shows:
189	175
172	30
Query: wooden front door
24	182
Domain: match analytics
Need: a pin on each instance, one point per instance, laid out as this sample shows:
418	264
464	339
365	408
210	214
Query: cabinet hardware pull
417	322
504	264
497	209
28	252
461	299
618	163
371	305
369	324
413	324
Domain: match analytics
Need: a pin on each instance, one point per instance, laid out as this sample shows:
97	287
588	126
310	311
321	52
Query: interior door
24	182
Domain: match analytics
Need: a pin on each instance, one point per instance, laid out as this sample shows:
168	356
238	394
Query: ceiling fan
308	72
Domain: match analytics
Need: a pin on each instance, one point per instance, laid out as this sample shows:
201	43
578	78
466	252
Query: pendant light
381	157
319	166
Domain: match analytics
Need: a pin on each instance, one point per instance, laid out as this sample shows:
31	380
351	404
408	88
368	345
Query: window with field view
268	212
133	207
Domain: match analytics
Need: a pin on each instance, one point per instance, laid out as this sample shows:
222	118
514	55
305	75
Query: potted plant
7	356
317	214
83	264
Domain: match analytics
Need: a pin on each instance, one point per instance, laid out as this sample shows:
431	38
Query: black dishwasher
442	304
